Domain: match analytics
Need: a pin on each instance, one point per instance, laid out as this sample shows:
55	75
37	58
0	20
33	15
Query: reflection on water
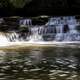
41	64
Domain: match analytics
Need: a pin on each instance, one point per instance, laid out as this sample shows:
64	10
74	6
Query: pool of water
36	63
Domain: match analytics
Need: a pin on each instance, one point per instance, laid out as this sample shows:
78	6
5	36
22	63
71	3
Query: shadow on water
52	63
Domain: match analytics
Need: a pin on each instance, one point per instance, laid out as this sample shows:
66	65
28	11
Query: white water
36	34
44	34
25	22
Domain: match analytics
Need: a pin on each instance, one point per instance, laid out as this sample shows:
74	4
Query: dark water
40	64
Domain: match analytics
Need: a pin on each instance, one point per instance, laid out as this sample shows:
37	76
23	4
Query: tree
4	3
19	3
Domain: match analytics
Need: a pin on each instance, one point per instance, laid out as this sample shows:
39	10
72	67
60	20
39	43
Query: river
40	63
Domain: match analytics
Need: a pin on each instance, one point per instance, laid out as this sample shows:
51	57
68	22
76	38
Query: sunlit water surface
40	64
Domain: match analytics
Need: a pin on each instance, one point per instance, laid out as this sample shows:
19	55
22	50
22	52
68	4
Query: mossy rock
24	29
78	28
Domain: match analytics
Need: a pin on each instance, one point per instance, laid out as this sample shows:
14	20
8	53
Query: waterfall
25	22
52	31
71	35
59	33
36	34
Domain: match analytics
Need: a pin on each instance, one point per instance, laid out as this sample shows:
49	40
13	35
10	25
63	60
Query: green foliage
19	3
4	3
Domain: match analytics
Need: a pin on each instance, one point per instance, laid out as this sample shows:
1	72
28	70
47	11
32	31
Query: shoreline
40	44
27	46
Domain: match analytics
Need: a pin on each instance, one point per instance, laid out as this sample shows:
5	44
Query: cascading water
71	35
53	31
36	36
25	22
